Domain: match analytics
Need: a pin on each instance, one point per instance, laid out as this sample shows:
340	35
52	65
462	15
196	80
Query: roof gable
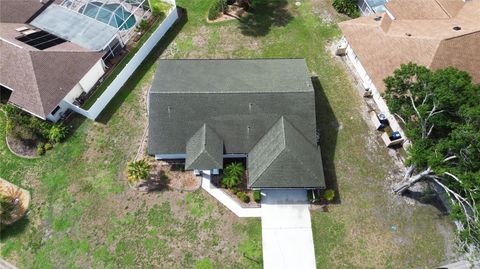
204	150
284	158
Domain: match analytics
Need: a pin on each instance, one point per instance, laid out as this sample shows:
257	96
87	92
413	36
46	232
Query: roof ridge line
444	10
39	97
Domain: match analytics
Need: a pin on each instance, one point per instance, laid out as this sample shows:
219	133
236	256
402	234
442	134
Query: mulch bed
170	176
27	149
215	180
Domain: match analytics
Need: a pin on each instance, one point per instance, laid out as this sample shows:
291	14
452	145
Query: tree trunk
410	181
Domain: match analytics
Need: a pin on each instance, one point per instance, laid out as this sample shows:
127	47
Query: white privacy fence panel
129	68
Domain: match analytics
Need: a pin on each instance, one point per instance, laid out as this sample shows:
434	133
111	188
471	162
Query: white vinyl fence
129	68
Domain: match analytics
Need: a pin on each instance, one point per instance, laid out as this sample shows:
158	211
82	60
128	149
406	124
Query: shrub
217	8
159	8
243	196
257	197
329	195
138	170
142	26
57	133
24	126
347	7
40	149
48	146
230	182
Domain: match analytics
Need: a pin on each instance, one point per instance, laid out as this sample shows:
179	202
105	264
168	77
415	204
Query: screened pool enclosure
112	14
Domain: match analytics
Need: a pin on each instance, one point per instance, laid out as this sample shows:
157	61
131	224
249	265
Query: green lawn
84	215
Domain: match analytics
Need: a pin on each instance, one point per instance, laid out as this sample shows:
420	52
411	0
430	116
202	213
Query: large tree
440	112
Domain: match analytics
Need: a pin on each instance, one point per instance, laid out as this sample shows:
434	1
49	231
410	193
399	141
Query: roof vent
457	28
378	18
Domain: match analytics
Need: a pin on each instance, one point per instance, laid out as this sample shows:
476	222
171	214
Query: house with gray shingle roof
206	111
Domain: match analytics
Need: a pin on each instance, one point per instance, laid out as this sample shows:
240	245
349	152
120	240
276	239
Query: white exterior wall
93	75
368	84
84	85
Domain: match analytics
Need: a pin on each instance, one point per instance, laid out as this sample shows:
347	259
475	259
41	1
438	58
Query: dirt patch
234	12
167	175
325	11
25	149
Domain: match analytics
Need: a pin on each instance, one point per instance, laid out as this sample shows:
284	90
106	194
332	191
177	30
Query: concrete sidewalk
227	200
286	230
286	226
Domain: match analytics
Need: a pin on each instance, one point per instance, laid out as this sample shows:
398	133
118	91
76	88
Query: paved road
286	230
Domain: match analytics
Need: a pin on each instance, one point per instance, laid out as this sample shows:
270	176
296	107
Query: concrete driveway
286	230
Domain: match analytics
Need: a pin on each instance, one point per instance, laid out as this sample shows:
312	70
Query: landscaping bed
171	175
233	181
26	149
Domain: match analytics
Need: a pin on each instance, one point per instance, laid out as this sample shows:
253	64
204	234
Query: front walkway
287	239
227	200
286	230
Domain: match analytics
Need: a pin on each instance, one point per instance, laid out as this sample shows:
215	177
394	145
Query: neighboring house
204	111
53	52
433	33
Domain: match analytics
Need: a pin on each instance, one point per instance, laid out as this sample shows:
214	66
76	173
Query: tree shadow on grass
137	76
15	228
327	126
427	198
263	15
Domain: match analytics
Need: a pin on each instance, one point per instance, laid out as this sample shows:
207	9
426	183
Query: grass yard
369	227
83	214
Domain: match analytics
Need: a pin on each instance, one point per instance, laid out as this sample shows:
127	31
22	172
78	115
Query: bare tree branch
449	158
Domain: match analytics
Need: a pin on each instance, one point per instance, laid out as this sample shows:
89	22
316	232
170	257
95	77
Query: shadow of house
125	91
327	126
263	15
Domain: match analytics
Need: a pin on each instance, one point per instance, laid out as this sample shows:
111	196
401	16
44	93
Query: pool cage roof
94	24
117	13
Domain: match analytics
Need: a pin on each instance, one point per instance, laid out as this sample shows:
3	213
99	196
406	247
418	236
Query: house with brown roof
433	33
40	70
53	51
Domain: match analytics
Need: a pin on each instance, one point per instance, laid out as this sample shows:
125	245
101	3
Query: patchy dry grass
357	232
83	215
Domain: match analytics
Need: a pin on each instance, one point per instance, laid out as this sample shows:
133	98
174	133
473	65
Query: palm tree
138	170
234	170
233	175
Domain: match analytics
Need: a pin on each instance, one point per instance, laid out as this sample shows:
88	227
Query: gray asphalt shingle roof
204	150
284	158
239	100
